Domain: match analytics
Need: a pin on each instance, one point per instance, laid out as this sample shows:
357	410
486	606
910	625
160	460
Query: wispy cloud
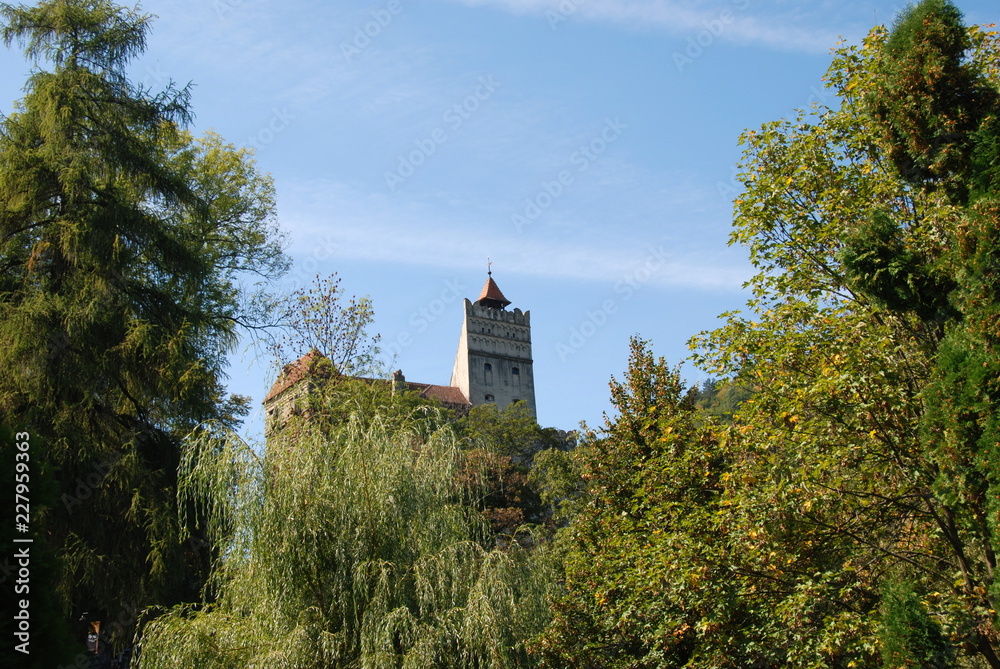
356	225
737	21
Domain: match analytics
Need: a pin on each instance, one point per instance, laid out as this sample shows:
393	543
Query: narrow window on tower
490	398
515	376
488	373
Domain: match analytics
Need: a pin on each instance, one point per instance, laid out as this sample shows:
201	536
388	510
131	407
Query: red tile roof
443	394
491	295
294	372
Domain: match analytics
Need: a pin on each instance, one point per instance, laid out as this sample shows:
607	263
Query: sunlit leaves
355	545
836	481
642	560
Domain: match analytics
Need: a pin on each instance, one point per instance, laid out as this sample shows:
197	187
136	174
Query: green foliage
643	564
910	637
355	545
129	253
878	264
501	446
558	477
927	98
719	399
985	170
331	405
512	431
867	455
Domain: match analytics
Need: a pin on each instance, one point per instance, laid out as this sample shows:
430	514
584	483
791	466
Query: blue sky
587	147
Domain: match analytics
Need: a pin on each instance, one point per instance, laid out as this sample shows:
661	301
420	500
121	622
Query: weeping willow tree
351	545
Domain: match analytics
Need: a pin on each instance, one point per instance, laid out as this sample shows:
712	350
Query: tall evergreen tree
125	246
929	101
946	132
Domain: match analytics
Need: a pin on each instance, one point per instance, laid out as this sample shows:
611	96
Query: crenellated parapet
516	317
493	363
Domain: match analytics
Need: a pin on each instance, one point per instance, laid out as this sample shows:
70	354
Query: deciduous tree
322	318
645	572
868	345
848	515
356	545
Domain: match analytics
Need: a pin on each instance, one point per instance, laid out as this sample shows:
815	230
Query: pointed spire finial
491	295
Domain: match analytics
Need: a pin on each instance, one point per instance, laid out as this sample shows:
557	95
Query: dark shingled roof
491	295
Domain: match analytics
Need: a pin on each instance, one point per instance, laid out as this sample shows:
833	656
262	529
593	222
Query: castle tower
493	363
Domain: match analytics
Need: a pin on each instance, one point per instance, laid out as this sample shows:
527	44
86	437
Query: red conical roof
491	295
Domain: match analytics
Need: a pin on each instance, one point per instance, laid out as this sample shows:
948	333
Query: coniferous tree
928	100
943	135
910	637
124	247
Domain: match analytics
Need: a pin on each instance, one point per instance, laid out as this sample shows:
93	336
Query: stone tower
493	364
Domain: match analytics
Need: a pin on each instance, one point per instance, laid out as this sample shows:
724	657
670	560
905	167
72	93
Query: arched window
488	373
515	376
490	398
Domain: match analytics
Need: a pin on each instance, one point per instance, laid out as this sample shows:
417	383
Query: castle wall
279	410
494	363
